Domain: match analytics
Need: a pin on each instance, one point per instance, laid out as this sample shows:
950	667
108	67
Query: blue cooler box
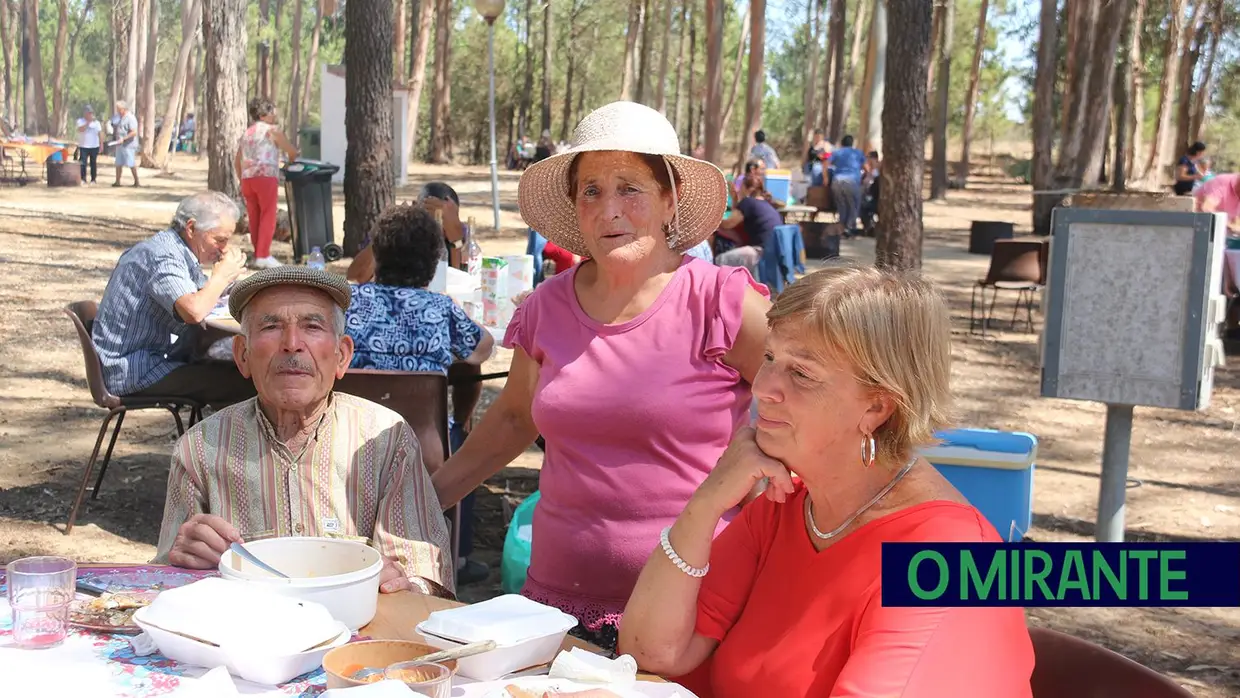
994	471
779	184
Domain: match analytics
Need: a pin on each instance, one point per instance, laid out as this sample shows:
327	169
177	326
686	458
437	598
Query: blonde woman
634	365
788	600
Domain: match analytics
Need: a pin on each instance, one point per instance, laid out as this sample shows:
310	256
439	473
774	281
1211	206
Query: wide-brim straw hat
701	197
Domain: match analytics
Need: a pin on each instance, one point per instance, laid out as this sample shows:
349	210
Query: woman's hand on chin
741	467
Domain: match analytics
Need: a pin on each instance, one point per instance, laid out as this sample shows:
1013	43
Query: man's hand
392	577
201	541
452	228
231	264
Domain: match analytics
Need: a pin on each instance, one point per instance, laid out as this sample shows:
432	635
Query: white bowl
342	575
269	670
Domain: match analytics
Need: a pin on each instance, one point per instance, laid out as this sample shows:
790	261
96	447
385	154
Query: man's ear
345	350
241	355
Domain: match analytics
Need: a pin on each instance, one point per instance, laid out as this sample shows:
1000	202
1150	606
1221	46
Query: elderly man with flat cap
300	459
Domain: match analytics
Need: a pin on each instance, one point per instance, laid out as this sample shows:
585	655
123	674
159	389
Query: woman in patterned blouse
395	322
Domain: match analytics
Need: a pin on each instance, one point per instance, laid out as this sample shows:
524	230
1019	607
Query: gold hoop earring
869	450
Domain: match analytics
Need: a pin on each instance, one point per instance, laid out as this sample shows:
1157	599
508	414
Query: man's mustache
294	363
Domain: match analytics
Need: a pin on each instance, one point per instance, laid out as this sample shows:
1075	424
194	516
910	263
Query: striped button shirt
359	476
136	320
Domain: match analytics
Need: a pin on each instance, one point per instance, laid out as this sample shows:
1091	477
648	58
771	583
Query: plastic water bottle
316	261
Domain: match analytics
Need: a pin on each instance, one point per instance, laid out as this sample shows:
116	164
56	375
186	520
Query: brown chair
82	313
421	397
1015	265
1069	667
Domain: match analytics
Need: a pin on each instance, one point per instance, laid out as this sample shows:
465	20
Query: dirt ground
58	246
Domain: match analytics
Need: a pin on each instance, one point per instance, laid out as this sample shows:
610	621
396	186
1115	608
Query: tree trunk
936	37
1076	90
631	33
1097	107
1159	146
7	34
1190	54
691	127
417	81
312	57
58	68
831	93
815	17
566	116
523	120
189	105
899	232
755	85
223	24
970	100
854	58
644	53
938	168
262	51
146	122
368	161
35	95
736	74
660	87
585	78
1123	112
293	113
401	37
441	102
837	76
1202	97
278	33
677	121
190	15
131	55
714	79
1136	121
546	67
873	102
1044	117
60	113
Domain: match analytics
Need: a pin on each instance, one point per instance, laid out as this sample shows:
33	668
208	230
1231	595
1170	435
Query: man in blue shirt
846	164
147	329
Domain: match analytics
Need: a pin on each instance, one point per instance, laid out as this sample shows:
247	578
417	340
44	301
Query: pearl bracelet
685	567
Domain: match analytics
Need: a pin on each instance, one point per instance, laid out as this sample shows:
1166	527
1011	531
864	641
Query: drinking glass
40	591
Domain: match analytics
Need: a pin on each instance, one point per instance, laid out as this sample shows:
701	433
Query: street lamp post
490	11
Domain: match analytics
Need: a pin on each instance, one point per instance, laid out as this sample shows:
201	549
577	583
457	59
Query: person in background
545	147
752	222
186	134
158	290
819	149
752	167
125	136
258	166
788	600
301	459
763	151
872	183
1222	195
398	325
90	131
634	365
1188	171
434	197
846	164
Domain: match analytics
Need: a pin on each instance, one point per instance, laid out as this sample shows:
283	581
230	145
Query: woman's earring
869	450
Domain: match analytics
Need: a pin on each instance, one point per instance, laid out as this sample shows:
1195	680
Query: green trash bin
517	546
311	144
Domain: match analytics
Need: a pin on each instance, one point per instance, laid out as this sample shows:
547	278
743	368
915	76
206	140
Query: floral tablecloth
95	664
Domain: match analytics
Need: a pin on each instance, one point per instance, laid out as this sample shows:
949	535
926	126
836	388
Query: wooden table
798	211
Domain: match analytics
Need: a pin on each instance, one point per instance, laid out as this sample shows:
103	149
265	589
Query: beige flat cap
331	284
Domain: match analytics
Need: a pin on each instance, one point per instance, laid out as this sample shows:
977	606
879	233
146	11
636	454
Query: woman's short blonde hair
894	330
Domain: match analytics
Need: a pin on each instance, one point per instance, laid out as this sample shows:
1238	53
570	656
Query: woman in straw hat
635	366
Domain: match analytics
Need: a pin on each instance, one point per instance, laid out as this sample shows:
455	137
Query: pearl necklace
809	514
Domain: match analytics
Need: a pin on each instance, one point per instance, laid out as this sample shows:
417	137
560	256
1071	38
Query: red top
793	621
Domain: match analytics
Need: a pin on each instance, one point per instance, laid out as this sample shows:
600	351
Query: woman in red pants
258	163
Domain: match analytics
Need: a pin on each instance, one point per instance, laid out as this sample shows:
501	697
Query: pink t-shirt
634	415
1222	187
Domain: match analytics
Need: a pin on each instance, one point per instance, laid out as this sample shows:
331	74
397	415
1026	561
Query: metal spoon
249	556
461	652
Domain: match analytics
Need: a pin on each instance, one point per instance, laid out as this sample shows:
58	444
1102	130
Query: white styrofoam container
342	575
248	665
527	634
489	666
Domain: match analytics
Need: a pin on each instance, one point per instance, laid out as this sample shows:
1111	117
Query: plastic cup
428	678
40	591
